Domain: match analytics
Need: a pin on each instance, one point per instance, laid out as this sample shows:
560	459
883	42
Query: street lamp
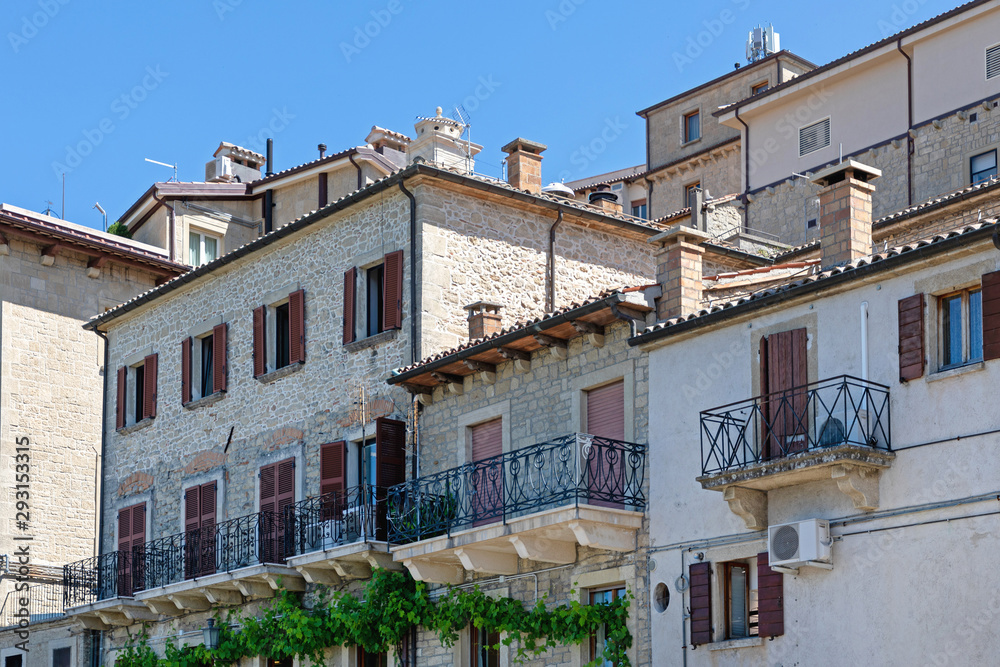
211	635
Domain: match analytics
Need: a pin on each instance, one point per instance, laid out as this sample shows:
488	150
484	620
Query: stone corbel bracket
859	484
748	504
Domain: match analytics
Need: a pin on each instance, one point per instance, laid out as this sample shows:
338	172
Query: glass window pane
206	365
211	249
975	326
951	315
194	249
984	166
692	128
738	625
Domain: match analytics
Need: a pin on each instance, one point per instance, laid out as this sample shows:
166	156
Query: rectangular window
61	656
689	192
961	328
759	88
740	600
599	639
140	391
375	279
202	248
281	337
814	137
366	659
484	647
207	365
369	462
983	166
639	211
692	126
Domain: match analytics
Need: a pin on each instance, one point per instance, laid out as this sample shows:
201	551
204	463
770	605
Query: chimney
322	151
845	220
679	271
603	198
484	319
524	164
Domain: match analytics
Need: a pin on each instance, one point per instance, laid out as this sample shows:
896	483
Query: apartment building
851	456
54	276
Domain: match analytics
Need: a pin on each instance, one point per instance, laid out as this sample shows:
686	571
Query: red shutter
297	327
787	370
487	440
125	529
770	600
332	464
991	316
390	452
186	370
286	485
350	282
131	538
208	504
259	357
392	289
149	395
138	526
192	509
606	411
268	498
767	445
120	403
220	365
701	603
911	338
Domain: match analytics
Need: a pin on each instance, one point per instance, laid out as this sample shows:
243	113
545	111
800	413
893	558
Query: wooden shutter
606	411
220	365
332	467
701	603
392	291
120	402
268	499
208	504
259	355
297	327
350	282
770	599
138	526
186	345
787	369
991	316
192	509
390	451
911	338
125	529
285	477
149	393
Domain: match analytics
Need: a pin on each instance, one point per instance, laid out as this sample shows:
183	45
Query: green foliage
119	229
393	603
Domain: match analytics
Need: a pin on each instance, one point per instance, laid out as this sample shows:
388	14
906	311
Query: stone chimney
845	203
439	142
524	164
606	200
484	319
679	271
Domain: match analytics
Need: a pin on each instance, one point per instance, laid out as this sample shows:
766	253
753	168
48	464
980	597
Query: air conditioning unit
792	545
219	170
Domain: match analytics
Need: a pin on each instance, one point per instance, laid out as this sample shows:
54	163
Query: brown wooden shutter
208	505
392	291
138	526
991	316
220	364
120	402
701	603
788	369
911	338
192	509
350	282
268	488
770	599
767	446
125	529
487	440
332	466
606	411
390	451
297	327
285	495
149	393
259	355
186	345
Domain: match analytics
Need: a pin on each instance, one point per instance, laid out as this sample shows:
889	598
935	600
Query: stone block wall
718	173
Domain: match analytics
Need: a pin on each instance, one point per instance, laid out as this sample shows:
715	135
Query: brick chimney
484	319
679	271
845	203
524	164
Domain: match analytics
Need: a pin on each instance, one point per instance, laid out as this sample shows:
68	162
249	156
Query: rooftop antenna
164	164
98	206
762	42
462	116
49	210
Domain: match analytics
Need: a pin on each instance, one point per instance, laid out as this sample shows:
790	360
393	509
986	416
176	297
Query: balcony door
131	540
277	491
486	480
199	531
606	421
783	376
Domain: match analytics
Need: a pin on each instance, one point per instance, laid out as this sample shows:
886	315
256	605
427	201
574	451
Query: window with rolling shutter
297	327
486	478
186	346
991	316
120	407
259	342
606	411
350	282
770	599
813	137
911	337
220	363
392	302
700	575
993	62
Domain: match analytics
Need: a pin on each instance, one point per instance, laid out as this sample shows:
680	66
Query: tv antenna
462	116
164	164
49	210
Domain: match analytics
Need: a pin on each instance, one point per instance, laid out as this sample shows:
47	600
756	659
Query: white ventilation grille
814	137
993	62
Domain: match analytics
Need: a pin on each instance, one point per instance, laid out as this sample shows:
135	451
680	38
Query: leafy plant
119	229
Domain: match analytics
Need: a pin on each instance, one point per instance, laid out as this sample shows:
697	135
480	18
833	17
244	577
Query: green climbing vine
392	604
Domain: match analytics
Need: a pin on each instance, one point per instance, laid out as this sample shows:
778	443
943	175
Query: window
598	639
202	248
486	444
814	137
200	551
375	283
279	333
983	166
692	126
16	660
61	657
131	540
139	403
277	491
961	328
203	364
366	659
740	600
207	347
379	307
759	88
484	647
281	337
639	210
689	192
140	391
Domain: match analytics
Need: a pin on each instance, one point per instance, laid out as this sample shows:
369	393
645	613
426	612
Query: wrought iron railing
44	602
572	469
837	411
333	519
254	539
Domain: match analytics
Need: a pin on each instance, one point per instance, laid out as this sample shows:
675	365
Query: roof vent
559	190
993	62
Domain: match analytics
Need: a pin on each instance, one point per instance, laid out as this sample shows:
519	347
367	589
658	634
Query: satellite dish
559	189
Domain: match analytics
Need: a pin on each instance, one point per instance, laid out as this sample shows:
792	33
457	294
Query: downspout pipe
414	352
551	296
350	156
745	197
909	122
172	227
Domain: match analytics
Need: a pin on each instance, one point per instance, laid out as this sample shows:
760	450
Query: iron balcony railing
356	514
38	603
837	411
254	539
572	469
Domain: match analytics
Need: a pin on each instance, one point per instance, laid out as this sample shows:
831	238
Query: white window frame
202	235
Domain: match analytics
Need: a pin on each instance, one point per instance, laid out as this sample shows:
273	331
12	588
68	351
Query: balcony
44	603
834	429
537	503
339	535
221	564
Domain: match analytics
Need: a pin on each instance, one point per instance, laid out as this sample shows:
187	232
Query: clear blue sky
94	88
